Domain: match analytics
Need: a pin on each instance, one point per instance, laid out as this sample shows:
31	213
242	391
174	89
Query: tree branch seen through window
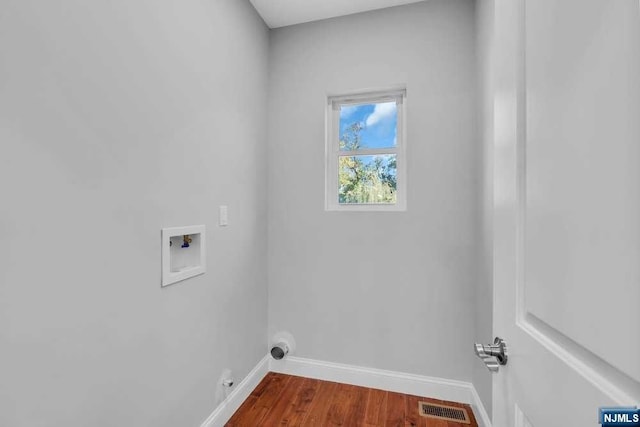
365	179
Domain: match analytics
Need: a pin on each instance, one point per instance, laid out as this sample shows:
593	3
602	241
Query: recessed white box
183	253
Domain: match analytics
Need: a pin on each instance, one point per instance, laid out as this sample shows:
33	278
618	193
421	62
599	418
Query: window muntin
365	166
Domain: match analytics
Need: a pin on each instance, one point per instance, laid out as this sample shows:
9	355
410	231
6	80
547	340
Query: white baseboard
230	405
479	410
419	385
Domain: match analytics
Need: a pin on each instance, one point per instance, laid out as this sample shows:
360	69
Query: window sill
398	207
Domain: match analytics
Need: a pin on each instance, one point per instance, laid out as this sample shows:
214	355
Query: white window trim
332	149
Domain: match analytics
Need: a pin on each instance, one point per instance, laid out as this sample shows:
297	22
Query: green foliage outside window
365	178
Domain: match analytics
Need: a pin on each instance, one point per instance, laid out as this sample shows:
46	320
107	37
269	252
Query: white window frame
332	149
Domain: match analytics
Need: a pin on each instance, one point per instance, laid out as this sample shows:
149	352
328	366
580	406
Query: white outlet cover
223	216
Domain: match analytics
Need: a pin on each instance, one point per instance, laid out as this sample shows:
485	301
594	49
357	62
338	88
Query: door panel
521	419
582	244
566	81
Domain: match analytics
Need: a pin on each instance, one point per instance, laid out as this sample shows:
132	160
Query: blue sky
379	121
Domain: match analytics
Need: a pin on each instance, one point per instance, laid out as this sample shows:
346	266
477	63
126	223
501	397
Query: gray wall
377	289
484	285
116	119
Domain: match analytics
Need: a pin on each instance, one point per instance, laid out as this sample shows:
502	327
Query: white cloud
381	111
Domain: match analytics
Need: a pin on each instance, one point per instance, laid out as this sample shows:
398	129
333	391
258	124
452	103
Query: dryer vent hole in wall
444	412
283	344
280	350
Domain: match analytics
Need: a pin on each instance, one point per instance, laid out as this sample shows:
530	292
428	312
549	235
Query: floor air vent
444	412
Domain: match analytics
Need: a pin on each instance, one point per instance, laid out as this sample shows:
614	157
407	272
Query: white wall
385	290
484	286
116	119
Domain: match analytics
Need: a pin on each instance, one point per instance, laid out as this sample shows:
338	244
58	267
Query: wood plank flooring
286	400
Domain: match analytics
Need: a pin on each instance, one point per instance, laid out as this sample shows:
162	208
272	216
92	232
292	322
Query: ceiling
280	13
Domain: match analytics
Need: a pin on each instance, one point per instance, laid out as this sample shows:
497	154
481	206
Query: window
365	152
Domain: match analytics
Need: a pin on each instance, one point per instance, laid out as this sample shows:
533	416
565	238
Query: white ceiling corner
280	13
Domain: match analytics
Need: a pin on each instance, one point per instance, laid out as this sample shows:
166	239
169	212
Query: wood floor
296	401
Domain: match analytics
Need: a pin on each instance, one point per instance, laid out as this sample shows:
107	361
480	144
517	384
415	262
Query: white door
566	77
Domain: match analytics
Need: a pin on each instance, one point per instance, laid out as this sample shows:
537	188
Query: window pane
367	179
368	126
